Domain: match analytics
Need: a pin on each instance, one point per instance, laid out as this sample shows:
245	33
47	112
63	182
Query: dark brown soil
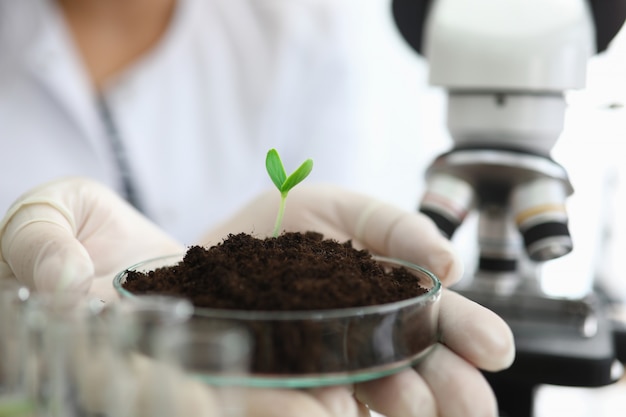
294	271
290	272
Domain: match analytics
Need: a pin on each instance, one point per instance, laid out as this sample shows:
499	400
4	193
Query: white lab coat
229	80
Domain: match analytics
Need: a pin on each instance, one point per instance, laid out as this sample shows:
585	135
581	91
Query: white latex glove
75	235
447	382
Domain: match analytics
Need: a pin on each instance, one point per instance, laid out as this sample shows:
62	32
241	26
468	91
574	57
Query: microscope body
506	67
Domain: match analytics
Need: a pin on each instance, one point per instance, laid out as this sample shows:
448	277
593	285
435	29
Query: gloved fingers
265	402
337	400
147	387
452	367
412	237
40	249
6	273
260	402
458	388
391	231
475	333
190	395
76	234
363	410
405	394
380	227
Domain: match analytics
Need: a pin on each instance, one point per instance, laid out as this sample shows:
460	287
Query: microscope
506	67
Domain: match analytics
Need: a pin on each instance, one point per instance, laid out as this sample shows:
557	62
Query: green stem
281	212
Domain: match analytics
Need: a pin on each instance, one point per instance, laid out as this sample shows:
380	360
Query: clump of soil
295	272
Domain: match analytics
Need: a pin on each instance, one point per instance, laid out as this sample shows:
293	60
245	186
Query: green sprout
284	183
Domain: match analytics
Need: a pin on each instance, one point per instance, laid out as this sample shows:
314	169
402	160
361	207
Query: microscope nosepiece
541	217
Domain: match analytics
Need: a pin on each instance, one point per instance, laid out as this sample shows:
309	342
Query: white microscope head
506	66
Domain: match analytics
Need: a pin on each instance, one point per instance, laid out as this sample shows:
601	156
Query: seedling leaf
297	176
275	168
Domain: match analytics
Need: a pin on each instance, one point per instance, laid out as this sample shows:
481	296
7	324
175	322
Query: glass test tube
64	345
15	399
176	364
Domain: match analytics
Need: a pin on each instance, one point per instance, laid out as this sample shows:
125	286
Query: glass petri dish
304	349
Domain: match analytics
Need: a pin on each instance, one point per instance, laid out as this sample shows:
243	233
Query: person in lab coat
172	105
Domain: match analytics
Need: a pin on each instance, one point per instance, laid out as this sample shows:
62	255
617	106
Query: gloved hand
75	235
447	382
